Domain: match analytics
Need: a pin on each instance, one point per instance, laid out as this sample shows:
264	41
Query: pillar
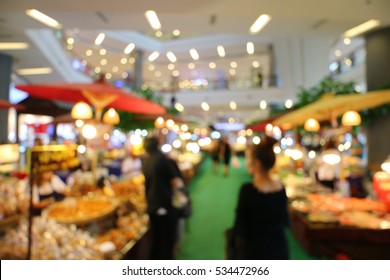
5	80
377	77
138	81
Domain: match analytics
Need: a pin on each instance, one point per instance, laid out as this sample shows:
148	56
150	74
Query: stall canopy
331	106
6	105
99	94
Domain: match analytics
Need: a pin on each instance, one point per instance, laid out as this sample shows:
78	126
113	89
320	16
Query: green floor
214	199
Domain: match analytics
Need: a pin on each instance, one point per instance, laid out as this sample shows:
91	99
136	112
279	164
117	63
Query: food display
81	210
50	241
14	200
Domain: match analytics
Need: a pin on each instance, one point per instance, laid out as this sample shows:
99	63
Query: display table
334	240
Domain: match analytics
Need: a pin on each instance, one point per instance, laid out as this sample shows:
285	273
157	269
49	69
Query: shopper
215	155
261	214
47	189
356	147
225	154
131	165
329	172
160	179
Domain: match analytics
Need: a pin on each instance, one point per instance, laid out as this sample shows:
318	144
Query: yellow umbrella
331	106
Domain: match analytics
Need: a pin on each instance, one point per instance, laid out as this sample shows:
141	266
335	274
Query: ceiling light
125	75
191	65
159	33
84	63
157	74
88	52
34	71
102	51
99	39
153	20
70	41
263	104
347	41
357	30
233	105
176	32
194	54
171	66
205	106
260	23
348	62
250	48
69	47
131	60
43	18
175	73
123	60
111	117
232	72
103	61
108	76
221	51
288	104
115	69
255	64
179	107
97	69
153	56
312	125
337	53
81	111
212	65
130	47
351	118
171	56
233	64
13	46
151	67
231	120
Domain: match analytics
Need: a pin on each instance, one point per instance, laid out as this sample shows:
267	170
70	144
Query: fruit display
356	212
129	227
81	210
51	241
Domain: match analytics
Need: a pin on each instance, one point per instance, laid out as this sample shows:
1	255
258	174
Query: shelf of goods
106	224
328	225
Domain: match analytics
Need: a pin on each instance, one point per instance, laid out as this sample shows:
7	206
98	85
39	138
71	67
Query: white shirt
131	167
55	185
328	171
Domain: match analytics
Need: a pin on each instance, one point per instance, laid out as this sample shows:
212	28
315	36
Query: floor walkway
214	199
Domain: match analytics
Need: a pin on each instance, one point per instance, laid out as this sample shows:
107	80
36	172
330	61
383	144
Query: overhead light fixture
125	75
171	66
351	118
153	20
34	71
97	70
263	104
81	111
108	76
337	53
115	69
130	47
103	52
157	74
171	56
288	104
194	54
233	64
151	67
361	28
70	41
221	51
233	105
88	52
5	46
176	32
212	65
175	73
191	66
232	72
179	107
205	106
250	48
347	41
153	56
312	125
123	60
158	33
89	131
103	61
111	117
260	23
255	64
45	19
99	39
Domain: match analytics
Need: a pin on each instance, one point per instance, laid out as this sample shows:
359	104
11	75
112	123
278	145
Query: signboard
52	158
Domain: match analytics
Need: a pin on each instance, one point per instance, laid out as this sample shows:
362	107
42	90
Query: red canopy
6	105
99	94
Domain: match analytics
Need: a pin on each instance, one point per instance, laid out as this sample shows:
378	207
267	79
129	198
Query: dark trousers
164	231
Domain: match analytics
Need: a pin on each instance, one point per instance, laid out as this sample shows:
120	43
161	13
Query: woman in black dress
261	214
